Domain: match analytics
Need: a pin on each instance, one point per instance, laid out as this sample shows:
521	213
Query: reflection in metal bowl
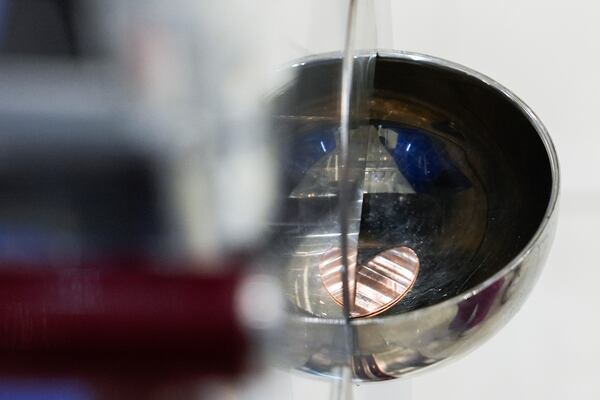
445	162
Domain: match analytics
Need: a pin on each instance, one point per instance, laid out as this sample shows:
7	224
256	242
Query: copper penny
381	283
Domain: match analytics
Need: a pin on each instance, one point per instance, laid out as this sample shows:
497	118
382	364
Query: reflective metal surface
445	162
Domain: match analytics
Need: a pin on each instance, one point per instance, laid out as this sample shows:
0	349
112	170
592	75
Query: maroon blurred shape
134	323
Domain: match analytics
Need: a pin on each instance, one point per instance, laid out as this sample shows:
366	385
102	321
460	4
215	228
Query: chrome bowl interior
446	162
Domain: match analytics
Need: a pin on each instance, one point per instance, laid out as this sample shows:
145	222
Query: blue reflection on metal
307	149
424	162
323	147
420	157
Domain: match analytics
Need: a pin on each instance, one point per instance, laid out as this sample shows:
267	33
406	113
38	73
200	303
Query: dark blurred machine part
66	202
40	28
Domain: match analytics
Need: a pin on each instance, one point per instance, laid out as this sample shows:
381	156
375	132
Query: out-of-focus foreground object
138	171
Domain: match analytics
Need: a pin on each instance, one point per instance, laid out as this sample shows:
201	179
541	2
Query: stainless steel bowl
453	165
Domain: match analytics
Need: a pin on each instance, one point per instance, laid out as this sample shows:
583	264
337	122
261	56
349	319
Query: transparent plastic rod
344	386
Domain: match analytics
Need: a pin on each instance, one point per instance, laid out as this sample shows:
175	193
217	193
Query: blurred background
544	51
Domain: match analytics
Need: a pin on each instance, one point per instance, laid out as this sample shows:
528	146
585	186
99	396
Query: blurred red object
134	323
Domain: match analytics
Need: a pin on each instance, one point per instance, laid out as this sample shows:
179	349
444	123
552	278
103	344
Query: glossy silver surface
486	249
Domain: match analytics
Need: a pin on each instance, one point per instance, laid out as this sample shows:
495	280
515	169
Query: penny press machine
229	199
